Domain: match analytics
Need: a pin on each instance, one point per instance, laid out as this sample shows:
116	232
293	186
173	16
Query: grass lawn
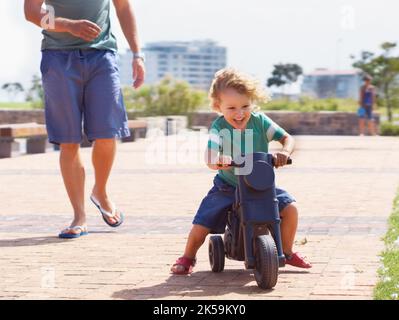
388	286
16	105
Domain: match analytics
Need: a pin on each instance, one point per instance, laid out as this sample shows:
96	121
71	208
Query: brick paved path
344	187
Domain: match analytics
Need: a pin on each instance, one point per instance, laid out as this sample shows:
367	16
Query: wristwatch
139	55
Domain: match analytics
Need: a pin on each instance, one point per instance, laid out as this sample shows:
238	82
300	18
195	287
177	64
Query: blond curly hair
229	78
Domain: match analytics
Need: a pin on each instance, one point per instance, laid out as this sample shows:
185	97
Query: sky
257	33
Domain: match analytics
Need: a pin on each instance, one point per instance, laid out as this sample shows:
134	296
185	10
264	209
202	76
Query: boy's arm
83	29
215	161
127	21
281	157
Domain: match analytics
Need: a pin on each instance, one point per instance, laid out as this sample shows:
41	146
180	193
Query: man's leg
103	156
371	127
73	174
361	126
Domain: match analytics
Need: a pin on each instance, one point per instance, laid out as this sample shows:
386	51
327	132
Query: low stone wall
306	123
296	123
167	124
21	116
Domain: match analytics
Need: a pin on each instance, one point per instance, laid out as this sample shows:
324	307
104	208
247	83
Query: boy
233	94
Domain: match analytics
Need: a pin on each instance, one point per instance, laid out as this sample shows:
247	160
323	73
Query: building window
193	56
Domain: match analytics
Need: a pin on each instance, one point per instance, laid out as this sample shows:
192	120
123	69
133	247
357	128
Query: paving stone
344	189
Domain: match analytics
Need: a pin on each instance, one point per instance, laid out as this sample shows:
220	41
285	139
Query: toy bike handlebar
241	165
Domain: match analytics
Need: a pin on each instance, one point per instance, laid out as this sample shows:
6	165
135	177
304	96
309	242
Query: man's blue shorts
82	93
212	212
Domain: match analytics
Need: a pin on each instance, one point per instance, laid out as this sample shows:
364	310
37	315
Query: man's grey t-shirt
97	11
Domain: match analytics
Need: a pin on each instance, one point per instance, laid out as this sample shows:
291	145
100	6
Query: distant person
234	95
367	102
82	89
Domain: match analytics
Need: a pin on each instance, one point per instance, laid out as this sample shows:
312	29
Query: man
81	85
367	102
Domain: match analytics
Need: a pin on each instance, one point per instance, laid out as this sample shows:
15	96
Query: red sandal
187	263
297	260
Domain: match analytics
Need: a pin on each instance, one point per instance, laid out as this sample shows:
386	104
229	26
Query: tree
169	97
284	74
12	88
35	94
384	69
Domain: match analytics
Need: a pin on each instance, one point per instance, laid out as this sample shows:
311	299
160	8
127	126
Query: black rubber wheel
266	267
216	253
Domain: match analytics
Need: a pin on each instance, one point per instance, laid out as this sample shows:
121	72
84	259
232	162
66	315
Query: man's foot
297	260
74	231
105	205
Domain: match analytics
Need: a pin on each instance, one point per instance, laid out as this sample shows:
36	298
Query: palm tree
12	88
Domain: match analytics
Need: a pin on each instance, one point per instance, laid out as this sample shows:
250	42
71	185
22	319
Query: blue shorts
212	212
365	112
82	90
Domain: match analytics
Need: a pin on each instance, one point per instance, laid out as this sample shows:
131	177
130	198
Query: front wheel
266	266
216	253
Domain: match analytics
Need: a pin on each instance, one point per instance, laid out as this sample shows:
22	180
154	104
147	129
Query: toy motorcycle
252	233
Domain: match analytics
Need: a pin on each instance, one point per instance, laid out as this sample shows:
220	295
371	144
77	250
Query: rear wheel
266	266
216	253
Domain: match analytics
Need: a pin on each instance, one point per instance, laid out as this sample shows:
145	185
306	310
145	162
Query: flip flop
65	235
105	213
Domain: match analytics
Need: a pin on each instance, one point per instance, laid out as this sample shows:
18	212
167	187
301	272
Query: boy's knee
199	233
290	210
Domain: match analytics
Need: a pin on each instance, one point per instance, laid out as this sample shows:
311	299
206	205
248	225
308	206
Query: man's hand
83	29
127	19
138	72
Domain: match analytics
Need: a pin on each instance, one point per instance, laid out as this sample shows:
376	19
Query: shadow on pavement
294	271
26	242
199	284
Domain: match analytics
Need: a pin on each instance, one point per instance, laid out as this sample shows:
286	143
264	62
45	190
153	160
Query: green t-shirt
225	139
96	11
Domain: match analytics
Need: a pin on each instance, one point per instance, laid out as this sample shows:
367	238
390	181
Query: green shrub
387	287
305	104
389	129
16	105
169	97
